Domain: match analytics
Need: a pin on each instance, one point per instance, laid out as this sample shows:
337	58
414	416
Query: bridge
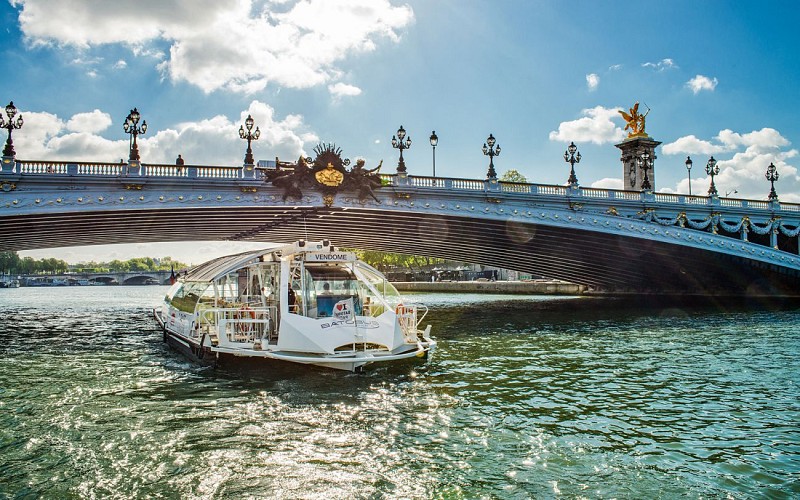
108	277
625	241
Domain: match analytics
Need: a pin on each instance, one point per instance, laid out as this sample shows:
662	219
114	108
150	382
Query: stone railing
179	172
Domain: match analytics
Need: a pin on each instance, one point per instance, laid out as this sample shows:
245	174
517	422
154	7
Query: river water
526	397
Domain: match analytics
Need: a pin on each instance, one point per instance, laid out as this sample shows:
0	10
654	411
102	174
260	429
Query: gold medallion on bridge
329	176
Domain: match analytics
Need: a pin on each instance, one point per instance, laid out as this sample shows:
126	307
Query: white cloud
212	141
745	170
701	82
691	145
340	89
615	67
592	81
92	122
661	65
121	64
241	45
608	183
764	140
595	126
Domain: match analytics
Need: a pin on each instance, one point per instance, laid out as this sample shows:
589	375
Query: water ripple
525	398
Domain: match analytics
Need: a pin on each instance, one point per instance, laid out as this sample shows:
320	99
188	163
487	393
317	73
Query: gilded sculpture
635	121
326	173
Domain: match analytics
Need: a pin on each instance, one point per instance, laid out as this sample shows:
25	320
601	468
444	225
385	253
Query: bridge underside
597	259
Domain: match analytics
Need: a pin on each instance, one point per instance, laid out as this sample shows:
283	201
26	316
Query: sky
719	78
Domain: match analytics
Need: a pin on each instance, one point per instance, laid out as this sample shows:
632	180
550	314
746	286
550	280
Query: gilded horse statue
635	121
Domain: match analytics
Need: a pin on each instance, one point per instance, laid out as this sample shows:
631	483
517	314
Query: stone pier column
632	175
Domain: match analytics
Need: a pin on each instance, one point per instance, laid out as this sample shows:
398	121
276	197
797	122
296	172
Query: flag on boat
172	275
343	309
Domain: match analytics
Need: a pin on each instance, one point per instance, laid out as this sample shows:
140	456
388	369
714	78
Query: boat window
390	294
327	285
184	296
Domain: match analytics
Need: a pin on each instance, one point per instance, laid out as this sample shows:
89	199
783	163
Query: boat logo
360	323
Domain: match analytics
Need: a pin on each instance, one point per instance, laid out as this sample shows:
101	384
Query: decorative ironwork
572	156
491	151
772	176
326	173
249	136
635	121
401	142
131	126
7	186
712	169
11	112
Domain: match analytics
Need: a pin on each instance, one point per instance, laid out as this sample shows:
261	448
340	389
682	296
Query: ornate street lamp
712	169
132	127
772	176
434	142
11	111
571	158
400	142
249	136
491	151
689	171
645	163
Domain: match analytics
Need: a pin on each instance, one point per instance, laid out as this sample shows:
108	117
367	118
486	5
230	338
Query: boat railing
240	325
409	319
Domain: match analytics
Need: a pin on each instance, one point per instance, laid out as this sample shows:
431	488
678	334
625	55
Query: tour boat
305	302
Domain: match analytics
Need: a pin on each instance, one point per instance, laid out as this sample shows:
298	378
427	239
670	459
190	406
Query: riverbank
507	287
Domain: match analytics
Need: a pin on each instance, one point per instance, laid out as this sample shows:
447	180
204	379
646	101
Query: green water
525	398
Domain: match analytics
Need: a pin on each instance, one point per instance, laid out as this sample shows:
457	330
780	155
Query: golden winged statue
635	121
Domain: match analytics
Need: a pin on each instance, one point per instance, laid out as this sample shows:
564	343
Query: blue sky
719	77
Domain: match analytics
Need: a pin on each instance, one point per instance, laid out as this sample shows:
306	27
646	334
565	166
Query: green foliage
11	263
513	176
385	260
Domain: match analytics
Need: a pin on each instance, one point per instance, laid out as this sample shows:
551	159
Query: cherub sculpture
364	180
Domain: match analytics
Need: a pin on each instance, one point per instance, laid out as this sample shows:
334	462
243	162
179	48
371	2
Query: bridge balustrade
101	168
41	167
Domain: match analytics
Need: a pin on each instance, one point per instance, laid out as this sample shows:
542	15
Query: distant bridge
121	278
607	239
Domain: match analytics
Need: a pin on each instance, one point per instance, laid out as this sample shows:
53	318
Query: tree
513	176
9	262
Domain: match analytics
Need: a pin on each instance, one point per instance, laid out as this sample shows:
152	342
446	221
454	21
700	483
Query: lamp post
434	142
249	136
645	163
11	111
689	171
132	127
571	158
712	169
491	151
400	142
772	176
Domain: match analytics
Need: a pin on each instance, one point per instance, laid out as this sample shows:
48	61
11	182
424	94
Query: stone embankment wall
510	287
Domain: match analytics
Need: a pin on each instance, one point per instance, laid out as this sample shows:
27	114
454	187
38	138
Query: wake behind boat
303	303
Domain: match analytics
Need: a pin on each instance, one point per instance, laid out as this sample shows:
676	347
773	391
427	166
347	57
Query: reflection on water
526	397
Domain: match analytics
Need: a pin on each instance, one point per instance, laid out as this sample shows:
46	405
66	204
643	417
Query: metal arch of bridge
602	238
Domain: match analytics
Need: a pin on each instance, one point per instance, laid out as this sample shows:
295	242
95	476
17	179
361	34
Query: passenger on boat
292	301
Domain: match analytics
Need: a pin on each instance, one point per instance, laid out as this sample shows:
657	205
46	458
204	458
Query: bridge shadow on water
522	314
